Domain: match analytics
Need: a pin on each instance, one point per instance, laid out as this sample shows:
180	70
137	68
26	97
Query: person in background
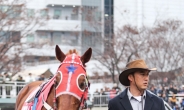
171	89
164	97
182	104
103	96
175	89
178	105
160	91
153	89
173	100
6	80
112	93
182	89
96	95
20	82
6	77
29	78
41	78
20	79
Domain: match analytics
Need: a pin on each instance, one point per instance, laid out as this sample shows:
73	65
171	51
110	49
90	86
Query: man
136	97
30	78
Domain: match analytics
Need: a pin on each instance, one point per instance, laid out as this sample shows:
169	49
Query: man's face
141	79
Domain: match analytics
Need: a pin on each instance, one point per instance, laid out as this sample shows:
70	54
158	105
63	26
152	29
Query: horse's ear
59	54
86	56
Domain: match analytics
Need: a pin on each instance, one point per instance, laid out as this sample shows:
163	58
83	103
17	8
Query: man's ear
130	77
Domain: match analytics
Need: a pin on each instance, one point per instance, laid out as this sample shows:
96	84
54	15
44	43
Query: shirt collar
130	96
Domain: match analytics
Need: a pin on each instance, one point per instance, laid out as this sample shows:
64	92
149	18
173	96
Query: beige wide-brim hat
132	67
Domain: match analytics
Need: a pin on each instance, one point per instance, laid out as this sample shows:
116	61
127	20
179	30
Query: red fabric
73	88
44	93
28	106
112	93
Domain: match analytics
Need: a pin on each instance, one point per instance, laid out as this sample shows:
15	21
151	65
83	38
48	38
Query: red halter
70	70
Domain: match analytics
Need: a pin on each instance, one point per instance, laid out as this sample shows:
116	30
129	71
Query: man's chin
144	88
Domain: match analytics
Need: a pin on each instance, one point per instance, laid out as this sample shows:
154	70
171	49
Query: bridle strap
84	93
82	99
54	99
46	105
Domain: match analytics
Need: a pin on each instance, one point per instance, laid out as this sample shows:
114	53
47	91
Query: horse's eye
82	85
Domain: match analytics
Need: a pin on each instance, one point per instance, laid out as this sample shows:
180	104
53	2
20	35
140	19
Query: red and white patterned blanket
45	91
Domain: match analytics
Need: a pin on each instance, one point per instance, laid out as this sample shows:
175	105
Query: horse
66	90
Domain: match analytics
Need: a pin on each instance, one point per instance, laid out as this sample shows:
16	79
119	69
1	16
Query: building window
43	13
74	15
15	36
57	13
30	12
10	11
98	16
30	38
9	36
69	38
43	37
56	37
4	36
4	8
16	12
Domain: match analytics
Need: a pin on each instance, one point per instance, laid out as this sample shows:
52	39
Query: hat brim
123	77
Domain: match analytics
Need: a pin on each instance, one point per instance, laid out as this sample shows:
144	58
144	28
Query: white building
67	23
146	12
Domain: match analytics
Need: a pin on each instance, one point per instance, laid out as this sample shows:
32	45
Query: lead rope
54	99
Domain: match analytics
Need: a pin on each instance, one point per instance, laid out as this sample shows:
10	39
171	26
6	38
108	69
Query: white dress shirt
137	102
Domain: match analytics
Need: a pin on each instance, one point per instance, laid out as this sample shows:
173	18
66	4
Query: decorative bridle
70	62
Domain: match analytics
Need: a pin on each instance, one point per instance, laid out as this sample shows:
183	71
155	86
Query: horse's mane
72	51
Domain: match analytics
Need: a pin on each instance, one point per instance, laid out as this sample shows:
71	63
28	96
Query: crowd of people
172	94
103	95
7	79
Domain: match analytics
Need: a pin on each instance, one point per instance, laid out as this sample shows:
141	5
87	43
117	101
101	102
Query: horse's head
71	79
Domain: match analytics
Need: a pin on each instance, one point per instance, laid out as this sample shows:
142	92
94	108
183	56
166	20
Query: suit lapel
148	102
125	101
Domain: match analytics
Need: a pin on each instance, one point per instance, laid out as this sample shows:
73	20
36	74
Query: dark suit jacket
121	102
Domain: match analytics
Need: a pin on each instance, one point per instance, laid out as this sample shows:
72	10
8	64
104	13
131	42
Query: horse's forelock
72	51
